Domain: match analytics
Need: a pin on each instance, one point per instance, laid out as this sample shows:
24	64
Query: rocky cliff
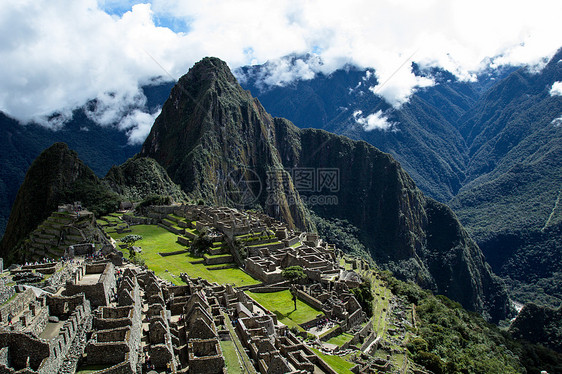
217	143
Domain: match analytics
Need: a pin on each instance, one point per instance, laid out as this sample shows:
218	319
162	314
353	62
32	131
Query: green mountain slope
57	176
510	201
139	177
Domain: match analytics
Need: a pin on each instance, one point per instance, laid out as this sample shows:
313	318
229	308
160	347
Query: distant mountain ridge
490	148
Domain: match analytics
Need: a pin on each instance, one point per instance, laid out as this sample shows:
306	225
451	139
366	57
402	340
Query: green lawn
340	339
91	369
281	303
230	357
336	362
156	239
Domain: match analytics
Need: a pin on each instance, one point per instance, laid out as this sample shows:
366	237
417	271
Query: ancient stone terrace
270	345
59	231
318	262
118	329
336	301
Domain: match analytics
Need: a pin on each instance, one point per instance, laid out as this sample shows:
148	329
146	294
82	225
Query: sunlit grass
337	363
156	240
281	303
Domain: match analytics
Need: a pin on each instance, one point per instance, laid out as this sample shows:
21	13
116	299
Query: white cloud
137	125
556	89
375	121
58	54
557	122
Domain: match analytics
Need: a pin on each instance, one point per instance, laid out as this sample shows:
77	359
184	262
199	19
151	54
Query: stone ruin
130	321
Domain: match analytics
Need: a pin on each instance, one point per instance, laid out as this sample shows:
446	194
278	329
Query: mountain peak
209	69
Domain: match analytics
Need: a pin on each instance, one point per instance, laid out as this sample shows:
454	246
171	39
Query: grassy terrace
336	362
340	339
281	303
264	244
156	239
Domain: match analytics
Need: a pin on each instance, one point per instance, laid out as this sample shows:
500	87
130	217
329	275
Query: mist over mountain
100	147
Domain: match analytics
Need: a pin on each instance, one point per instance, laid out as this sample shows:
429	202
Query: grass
206	255
337	363
179	218
111	219
88	369
230	357
340	339
156	239
264	244
281	303
381	304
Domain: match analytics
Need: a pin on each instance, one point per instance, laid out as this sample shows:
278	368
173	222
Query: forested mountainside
490	148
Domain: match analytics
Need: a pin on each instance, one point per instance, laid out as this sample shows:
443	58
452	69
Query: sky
56	55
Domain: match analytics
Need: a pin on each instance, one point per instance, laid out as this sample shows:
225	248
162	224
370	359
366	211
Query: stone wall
100	293
48	268
133	220
38	323
6	292
23	349
45	356
218	260
107	353
121	368
59	279
17	305
313	302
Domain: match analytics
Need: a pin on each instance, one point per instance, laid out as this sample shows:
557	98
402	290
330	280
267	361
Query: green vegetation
364	296
156	239
294	274
230	357
342	234
449	338
337	363
281	304
340	339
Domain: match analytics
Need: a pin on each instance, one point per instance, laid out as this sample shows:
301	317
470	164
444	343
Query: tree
293	274
364	296
201	244
130	240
